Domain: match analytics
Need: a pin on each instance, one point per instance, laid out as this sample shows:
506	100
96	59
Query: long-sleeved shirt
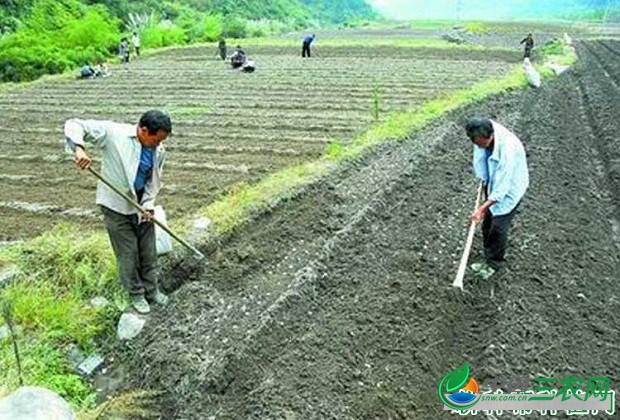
502	170
308	39
121	152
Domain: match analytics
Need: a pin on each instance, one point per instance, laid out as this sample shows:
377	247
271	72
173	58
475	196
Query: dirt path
338	305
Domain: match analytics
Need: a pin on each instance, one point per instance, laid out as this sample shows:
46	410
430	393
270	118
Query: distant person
305	45
500	163
123	51
86	72
136	43
101	70
529	44
238	58
221	46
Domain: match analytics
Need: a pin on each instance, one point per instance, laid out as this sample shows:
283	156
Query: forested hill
50	36
320	11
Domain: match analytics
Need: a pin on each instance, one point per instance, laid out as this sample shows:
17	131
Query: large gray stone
34	403
129	326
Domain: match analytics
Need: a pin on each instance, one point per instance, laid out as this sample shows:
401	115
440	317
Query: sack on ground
532	75
163	241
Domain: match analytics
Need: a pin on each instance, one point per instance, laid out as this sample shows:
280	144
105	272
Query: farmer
529	44
132	161
86	72
305	45
238	58
123	51
221	46
136	43
500	163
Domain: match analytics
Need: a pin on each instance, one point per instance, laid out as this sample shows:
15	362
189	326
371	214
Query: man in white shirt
133	157
136	43
500	163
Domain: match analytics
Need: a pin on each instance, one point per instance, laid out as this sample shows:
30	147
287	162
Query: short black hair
479	127
154	121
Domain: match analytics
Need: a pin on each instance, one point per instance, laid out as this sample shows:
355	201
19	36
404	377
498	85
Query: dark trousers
223	53
495	236
305	49
135	251
527	53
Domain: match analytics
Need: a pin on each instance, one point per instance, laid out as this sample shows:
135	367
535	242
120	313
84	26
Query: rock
74	355
4	332
99	302
6	276
129	326
91	364
34	403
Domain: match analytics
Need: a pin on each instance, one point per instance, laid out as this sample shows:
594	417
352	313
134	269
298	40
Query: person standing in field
305	45
529	44
136	43
500	163
221	46
133	157
123	51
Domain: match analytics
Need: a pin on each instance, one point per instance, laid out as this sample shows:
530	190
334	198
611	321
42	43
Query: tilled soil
338	304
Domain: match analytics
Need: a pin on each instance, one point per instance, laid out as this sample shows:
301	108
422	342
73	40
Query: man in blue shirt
305	46
500	163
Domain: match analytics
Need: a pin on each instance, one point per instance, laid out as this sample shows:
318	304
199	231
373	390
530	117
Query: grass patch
58	273
476	28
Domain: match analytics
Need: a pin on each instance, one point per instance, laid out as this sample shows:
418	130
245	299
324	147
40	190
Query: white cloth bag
163	240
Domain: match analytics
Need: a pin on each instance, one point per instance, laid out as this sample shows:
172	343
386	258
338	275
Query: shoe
158	298
482	270
140	304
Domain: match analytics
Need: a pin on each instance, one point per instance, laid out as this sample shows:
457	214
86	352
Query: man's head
480	131
153	128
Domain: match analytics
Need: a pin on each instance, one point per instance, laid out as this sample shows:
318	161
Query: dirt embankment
338	305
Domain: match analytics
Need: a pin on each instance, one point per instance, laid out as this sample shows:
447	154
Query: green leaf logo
456	379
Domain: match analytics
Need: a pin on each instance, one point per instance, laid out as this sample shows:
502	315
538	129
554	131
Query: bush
234	27
56	36
161	35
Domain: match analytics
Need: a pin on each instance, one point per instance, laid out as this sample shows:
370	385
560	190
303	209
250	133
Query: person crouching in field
237	58
133	157
500	163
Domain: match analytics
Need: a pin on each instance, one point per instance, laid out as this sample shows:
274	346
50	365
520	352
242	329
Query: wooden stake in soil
458	281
